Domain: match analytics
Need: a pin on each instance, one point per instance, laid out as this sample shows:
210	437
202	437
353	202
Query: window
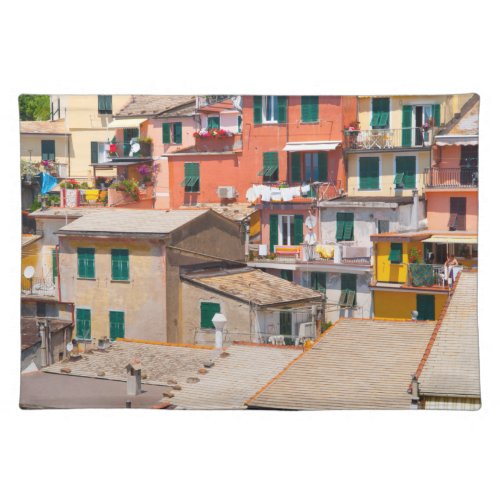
270	167
177	132
165	133
83	324
105	104
469	156
457	213
369	173
309	167
41	309
285	230
286	274
116	325
345	226
213	122
48	150
269	109
98	153
86	263
396	253
414	117
318	281
383	226
191	180
239	123
406	170
348	289
309	109
171	133
207	312
380	113
119	265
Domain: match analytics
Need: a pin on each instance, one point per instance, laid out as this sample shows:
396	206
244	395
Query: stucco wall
31	147
438	209
394	305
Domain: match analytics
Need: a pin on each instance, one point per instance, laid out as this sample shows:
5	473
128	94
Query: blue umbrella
47	182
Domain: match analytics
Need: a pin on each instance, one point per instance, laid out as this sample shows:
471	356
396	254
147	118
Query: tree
34	107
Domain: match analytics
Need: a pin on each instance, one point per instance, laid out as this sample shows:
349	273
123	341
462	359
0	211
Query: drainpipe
414	213
43	330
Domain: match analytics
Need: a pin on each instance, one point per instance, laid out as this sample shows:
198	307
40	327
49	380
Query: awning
457	140
460	238
312	146
127	123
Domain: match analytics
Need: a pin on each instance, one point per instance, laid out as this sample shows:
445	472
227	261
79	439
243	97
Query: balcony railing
129	150
38	286
378	139
437	177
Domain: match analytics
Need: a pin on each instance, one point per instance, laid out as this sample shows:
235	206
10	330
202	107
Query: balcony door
421	115
286	229
128	135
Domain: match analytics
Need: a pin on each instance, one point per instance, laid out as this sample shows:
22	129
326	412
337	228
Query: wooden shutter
83	324
86	267
165	128
369	173
318	280
177	132
436	114
191	180
458	209
257	109
426	307
309	109
119	264
208	310
116	325
273	231
271	167
281	109
340	227
239	123
101	104
406	125
323	166
380	112
345	226
94	152
286	274
296	168
314	106
348	284
298	229
213	122
396	253
407	165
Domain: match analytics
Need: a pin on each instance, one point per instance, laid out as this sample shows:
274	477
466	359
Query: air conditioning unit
226	192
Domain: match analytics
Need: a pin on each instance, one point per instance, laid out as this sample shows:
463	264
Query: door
83	324
116	325
128	135
286	326
426	307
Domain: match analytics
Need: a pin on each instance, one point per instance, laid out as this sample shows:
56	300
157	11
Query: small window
286	274
395	255
318	281
86	263
369	173
348	289
380	113
49	150
406	171
105	104
213	122
270	167
191	180
41	309
457	213
207	312
116	325
309	109
345	226
270	108
383	226
469	156
239	123
119	265
177	132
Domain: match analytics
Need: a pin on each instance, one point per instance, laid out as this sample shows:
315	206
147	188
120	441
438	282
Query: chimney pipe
415	397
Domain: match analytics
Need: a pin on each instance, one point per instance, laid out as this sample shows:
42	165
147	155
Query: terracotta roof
233	379
44	127
452	366
249	284
357	364
153	105
133	221
236	211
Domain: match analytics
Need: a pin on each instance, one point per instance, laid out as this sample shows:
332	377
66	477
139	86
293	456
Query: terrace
451	178
388	139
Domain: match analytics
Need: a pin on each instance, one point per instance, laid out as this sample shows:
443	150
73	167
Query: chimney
414	393
414	211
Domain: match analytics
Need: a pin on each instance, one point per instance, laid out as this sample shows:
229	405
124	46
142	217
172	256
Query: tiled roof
248	284
236	211
131	221
358	364
152	105
43	127
233	379
452	367
57	212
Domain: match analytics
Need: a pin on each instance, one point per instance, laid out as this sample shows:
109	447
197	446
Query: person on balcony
450	263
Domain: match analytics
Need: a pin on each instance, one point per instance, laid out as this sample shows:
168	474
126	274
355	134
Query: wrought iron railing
437	177
38	286
388	138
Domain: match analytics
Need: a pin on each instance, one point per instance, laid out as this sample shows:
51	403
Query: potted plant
146	145
415	256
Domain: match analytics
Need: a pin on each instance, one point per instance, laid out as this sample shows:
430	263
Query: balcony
429	276
116	150
43	287
451	178
387	139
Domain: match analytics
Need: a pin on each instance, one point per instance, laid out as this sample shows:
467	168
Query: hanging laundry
310	238
266	193
305	189
287	194
325	251
251	195
48	183
295	191
71	196
276	194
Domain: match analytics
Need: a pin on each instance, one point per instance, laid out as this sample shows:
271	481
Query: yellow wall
399	305
393	273
387	165
33	143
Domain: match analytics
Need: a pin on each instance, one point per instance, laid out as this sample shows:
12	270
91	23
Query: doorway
426	307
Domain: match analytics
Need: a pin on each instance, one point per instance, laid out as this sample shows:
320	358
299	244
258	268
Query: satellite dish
135	147
69	346
29	272
311	221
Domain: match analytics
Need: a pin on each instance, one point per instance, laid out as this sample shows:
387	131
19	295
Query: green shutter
369	173
323	166
296	170
273	231
86	258
349	230
208	310
119	264
398	180
94	152
426	307
407	115
270	170
101	103
177	132
257	109
318	281
116	325
48	150
380	112
54	265
286	274
191	180
340	229
109	104
407	165
165	127
345	226
436	114
395	255
348	284
213	122
309	109
298	229
83	324
240	119
281	109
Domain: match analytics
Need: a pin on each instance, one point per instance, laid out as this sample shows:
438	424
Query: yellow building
402	281
389	149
